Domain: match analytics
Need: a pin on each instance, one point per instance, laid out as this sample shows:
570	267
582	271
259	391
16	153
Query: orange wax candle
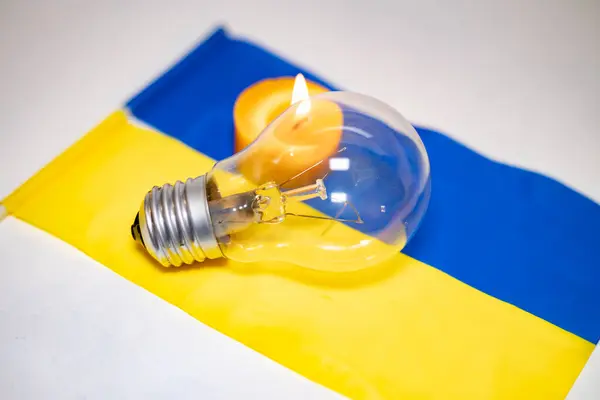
299	140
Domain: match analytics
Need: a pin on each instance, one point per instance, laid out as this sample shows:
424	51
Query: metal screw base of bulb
174	224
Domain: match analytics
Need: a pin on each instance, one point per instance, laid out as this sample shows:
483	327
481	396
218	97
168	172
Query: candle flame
300	95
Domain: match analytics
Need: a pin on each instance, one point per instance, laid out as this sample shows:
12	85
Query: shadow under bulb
354	206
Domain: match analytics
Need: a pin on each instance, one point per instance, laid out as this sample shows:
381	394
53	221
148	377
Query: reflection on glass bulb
354	207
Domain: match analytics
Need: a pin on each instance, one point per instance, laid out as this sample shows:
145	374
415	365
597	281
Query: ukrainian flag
496	296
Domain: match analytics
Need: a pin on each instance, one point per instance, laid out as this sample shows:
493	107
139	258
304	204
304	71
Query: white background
518	81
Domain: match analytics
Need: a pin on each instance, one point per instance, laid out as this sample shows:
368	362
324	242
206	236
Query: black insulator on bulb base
136	233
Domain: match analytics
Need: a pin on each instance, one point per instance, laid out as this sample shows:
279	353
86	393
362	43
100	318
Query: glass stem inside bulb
267	204
270	202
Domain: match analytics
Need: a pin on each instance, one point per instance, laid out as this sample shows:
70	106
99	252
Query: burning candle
297	143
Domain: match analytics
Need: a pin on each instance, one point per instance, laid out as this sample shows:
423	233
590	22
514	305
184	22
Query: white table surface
516	80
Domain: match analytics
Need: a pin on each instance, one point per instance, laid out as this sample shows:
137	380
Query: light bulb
337	182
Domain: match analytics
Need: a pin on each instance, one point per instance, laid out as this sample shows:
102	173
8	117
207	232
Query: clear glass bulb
337	182
330	165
